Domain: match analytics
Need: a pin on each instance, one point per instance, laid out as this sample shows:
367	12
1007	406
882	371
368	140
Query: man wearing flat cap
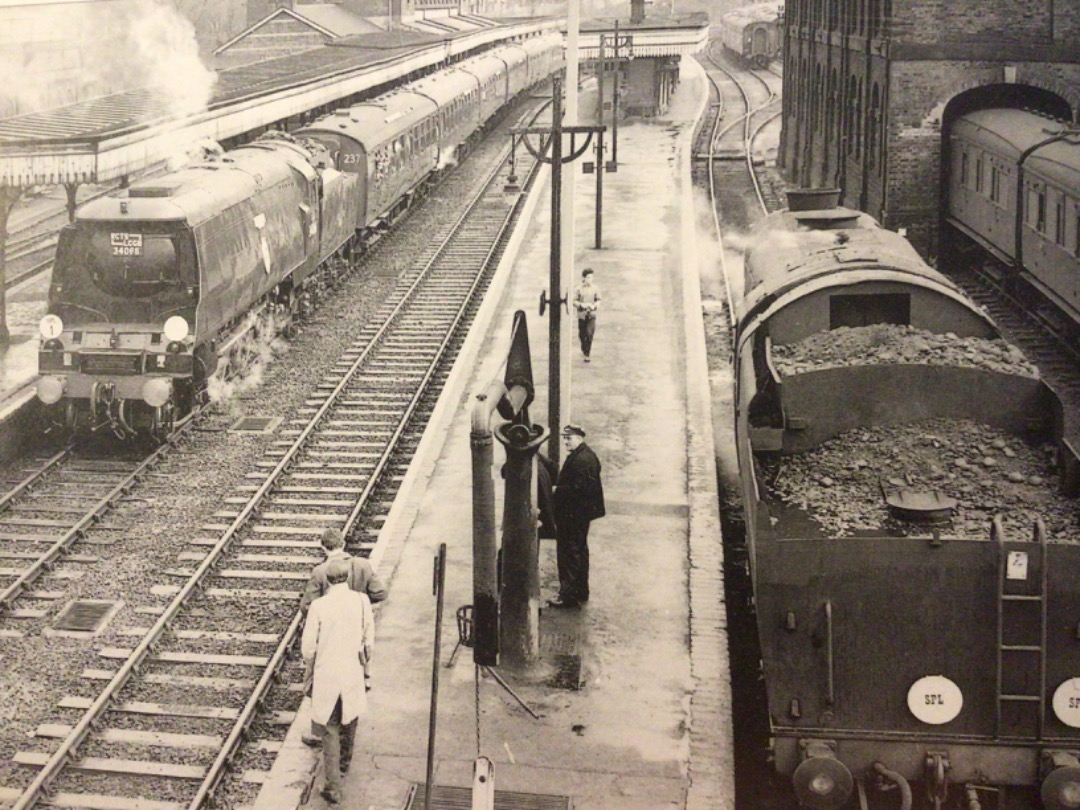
336	645
578	500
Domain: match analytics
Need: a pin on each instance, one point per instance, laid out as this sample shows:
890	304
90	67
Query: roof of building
336	19
328	19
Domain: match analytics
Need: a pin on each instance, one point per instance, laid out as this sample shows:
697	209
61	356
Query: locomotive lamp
176	328
157	391
50	389
822	782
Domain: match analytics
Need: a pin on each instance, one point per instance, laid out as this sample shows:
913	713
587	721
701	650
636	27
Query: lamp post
552	138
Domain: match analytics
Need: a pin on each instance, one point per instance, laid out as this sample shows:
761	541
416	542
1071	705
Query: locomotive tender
161	286
1014	188
900	644
754	34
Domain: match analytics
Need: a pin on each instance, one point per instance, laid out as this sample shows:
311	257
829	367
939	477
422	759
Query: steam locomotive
912	527
1014	188
161	286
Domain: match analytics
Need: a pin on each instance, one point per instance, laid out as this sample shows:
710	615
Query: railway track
48	512
748	103
1058	362
179	701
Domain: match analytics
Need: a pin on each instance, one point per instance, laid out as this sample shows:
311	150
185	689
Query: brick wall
953	20
939	50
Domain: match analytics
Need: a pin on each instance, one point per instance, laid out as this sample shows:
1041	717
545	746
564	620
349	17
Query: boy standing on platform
586	302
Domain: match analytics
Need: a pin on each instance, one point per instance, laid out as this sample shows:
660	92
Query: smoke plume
104	48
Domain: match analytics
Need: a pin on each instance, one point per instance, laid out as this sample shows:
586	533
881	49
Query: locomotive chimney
812	199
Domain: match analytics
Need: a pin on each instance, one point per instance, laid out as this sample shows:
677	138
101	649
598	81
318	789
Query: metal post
600	73
440	583
569	225
599	187
519	599
555	271
511	398
615	103
485	547
9	195
72	192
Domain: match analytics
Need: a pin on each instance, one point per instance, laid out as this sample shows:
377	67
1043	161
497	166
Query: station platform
629	707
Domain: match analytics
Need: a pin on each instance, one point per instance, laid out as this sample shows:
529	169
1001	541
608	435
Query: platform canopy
107	138
664	36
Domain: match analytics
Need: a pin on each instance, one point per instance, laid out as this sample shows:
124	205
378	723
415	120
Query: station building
638	57
870	87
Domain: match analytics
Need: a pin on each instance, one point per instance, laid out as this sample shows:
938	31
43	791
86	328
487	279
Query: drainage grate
85	615
558	643
458	798
567	672
255	424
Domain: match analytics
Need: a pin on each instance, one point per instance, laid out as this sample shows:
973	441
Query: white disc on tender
935	699
1066	702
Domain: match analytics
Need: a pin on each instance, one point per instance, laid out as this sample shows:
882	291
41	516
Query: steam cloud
112	47
169	53
263	345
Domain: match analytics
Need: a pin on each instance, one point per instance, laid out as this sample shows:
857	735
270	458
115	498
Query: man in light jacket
336	645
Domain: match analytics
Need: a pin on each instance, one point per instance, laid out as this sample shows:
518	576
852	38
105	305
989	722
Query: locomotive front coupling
108	374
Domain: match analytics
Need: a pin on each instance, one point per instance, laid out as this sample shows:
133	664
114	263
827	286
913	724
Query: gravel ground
168	508
886	344
987	471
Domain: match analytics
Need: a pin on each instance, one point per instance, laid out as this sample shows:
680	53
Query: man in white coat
337	642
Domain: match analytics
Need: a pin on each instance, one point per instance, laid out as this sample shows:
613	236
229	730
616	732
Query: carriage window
979	174
964	180
995	184
1059	220
1036	208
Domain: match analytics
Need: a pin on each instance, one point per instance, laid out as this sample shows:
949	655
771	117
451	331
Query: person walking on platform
362	577
337	644
586	302
578	500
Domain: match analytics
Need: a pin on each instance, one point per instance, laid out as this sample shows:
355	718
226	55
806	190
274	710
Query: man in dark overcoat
578	500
